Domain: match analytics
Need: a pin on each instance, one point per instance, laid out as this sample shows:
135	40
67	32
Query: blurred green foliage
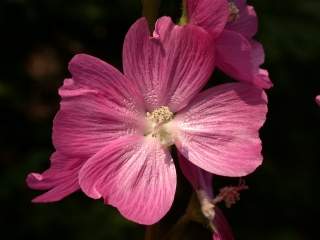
38	38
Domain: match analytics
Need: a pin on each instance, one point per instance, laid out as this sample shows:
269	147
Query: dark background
37	40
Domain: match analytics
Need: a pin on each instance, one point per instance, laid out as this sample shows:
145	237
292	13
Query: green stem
193	214
152	232
184	17
150	10
178	229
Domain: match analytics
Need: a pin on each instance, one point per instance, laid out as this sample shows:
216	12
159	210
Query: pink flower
318	100
233	24
201	181
113	131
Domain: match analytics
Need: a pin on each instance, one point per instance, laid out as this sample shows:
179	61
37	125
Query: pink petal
134	174
241	59
246	23
171	66
318	100
219	130
61	179
199	178
212	15
89	72
223	229
98	105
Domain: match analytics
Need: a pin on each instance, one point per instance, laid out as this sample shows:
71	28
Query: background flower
233	24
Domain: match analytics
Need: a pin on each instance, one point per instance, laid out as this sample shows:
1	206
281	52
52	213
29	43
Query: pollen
158	127
233	12
160	115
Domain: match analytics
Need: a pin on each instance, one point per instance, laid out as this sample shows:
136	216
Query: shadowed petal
134	174
241	59
223	229
98	105
61	179
246	23
212	15
172	65
219	130
199	178
201	181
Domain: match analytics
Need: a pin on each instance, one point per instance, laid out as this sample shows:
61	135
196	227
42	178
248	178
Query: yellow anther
158	125
160	115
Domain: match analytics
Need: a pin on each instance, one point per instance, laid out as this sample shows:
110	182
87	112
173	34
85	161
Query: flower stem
178	229
152	232
193	214
150	10
184	17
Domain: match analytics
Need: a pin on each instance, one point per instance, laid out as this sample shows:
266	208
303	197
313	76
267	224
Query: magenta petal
219	130
199	178
61	179
212	15
98	105
241	59
240	3
246	23
223	229
134	174
318	100
171	66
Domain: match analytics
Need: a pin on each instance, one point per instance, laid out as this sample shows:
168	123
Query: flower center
233	12
158	127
